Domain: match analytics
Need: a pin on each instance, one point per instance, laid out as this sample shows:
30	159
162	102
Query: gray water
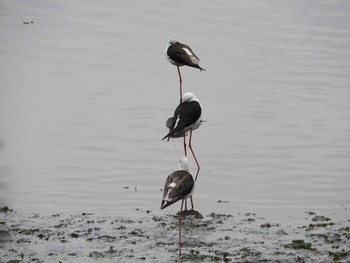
85	90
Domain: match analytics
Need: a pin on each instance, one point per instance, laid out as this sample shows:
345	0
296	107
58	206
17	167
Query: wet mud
152	237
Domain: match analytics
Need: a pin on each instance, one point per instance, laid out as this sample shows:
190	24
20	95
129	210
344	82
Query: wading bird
179	185
179	55
187	117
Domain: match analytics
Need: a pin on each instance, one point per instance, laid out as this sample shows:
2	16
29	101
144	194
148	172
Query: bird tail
166	136
170	134
197	66
165	203
169	124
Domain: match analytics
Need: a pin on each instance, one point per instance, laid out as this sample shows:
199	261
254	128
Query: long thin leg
180	215
180	79
192	203
194	156
185	148
195	179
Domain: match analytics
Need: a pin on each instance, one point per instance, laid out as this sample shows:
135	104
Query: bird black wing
190	49
183	186
186	114
179	55
184	183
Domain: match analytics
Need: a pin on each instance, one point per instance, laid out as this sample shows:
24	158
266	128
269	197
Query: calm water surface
85	91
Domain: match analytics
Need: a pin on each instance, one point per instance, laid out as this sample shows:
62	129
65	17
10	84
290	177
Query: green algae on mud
152	237
300	244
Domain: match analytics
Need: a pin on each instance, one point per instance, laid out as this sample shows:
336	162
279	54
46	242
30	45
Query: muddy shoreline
87	237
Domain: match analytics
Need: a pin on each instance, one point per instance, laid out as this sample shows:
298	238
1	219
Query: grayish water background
85	91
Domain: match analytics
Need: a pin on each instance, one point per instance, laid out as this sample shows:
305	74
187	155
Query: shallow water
85	91
215	237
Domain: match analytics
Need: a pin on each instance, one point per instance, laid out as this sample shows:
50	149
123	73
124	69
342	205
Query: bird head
172	41
189	96
184	164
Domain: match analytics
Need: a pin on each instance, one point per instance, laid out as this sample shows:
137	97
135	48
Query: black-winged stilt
179	185
179	55
187	117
